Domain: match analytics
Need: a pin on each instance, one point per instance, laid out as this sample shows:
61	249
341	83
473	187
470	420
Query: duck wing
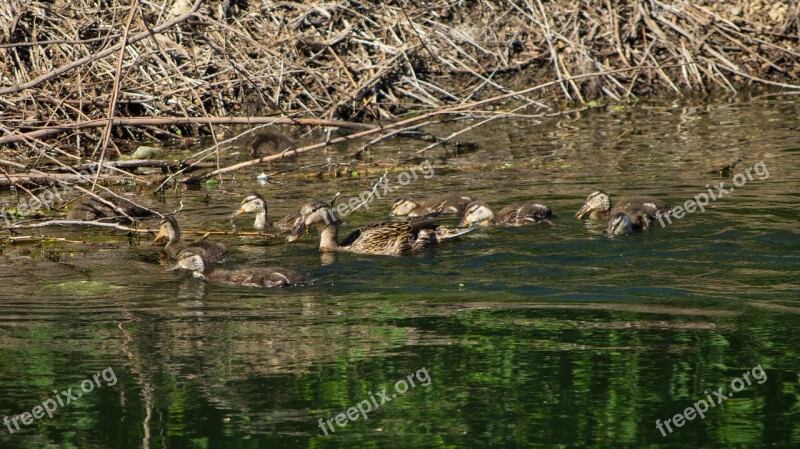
393	237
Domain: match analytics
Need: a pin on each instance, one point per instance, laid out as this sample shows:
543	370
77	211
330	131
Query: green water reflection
553	336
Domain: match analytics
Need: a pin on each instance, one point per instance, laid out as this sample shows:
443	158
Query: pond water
547	336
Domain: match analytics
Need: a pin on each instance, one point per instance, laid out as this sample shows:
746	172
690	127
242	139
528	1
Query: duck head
254	203
190	260
596	201
168	228
477	212
620	224
315	213
403	206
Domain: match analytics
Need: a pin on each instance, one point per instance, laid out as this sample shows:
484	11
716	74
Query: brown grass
64	63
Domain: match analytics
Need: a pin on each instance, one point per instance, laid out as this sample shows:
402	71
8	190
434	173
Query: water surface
550	336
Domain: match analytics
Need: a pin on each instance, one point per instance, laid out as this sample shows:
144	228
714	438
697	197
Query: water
551	336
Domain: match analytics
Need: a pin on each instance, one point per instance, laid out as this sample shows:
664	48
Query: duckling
169	229
195	261
517	214
620	224
91	209
256	203
453	203
641	211
268	143
388	238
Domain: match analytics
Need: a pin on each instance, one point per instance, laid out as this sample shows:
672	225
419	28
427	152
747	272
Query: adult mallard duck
91	209
517	214
195	261
388	238
452	203
620	224
642	211
169	229
256	203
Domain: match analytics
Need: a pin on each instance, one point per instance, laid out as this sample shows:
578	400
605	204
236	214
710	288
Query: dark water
551	336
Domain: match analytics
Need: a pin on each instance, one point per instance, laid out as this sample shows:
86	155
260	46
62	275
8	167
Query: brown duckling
195	261
169	229
91	209
517	214
388	238
268	143
452	203
256	203
642	211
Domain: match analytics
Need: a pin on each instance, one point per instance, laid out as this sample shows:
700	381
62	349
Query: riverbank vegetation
81	78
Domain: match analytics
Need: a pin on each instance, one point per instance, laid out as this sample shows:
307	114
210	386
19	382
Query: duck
451	204
388	238
620	224
642	211
268	143
254	202
195	260
92	209
479	213
169	229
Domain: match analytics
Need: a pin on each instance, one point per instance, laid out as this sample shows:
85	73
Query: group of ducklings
415	228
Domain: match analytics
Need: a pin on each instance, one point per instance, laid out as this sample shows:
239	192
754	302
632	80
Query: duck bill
159	237
584	210
464	223
238	212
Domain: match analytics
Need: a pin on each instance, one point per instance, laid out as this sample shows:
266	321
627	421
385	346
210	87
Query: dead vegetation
78	76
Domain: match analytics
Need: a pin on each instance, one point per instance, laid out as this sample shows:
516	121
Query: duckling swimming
517	214
169	229
195	261
91	209
620	224
453	203
642	211
268	143
388	238
256	203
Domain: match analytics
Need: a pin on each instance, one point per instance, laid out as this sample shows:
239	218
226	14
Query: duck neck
328	237
261	219
173	233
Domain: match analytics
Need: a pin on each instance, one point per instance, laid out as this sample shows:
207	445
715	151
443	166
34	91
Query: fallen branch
171	121
405	123
121	227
